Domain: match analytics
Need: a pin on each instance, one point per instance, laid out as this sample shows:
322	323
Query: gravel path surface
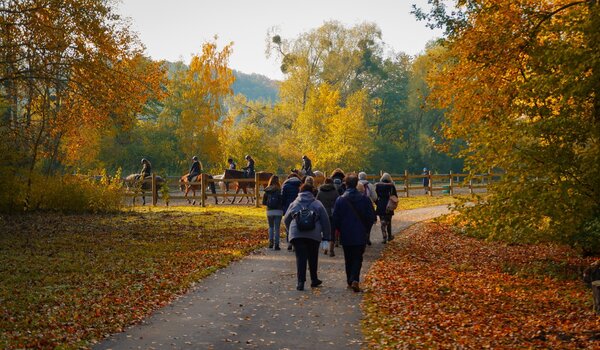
253	304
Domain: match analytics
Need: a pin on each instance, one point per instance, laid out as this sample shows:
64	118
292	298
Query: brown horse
134	183
194	185
263	178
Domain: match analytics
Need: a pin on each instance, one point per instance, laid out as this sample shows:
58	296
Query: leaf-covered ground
66	280
437	289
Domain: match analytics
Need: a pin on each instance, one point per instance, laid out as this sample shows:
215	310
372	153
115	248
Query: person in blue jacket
353	216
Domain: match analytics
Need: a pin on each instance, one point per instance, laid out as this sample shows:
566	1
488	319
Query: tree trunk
596	292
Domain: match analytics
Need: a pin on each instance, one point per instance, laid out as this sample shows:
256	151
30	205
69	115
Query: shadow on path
253	304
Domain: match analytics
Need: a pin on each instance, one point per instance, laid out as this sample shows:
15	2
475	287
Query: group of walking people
341	211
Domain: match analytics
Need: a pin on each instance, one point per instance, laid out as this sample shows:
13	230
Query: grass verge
70	279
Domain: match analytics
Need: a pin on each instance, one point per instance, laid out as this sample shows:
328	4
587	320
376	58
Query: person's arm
287	219
264	200
336	222
324	219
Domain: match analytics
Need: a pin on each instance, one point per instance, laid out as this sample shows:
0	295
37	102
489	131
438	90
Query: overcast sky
175	29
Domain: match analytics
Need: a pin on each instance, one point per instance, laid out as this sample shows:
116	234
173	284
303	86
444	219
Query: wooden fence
405	183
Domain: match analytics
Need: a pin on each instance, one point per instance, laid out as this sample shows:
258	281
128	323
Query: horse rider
195	169
146	169
249	168
306	166
231	163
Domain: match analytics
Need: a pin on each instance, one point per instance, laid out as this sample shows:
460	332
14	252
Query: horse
186	187
263	178
136	184
318	176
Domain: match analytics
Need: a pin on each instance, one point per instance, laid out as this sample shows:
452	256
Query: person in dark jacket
231	163
353	215
195	169
146	169
426	180
306	242
338	180
289	192
273	200
327	195
385	188
306	166
249	168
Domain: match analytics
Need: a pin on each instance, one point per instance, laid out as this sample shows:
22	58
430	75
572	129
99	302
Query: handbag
392	203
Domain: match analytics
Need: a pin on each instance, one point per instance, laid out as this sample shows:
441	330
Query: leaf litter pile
70	279
437	289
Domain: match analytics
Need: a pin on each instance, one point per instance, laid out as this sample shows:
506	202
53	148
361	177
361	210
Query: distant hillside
255	86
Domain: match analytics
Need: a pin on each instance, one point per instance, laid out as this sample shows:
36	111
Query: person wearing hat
195	169
146	169
249	168
306	166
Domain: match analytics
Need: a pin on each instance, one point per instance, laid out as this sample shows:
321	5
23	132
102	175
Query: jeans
274	228
353	258
307	250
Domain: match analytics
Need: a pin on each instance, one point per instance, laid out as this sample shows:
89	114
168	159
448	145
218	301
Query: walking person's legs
313	262
276	233
301	249
389	228
348	264
271	220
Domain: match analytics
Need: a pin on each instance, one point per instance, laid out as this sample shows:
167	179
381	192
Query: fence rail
405	183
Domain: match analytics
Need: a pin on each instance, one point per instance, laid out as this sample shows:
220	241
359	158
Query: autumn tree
69	69
520	83
194	104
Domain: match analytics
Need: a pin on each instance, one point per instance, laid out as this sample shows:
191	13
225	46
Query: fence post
406	182
430	184
203	190
154	190
451	184
256	187
471	186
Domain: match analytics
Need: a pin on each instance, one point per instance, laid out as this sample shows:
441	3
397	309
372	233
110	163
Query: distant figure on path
385	188
307	223
289	192
327	195
426	180
273	200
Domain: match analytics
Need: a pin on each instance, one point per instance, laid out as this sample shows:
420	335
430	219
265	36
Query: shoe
390	237
325	251
315	284
331	253
300	286
289	247
384	241
270	244
276	248
355	287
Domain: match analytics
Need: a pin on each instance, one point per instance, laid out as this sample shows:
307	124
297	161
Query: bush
67	193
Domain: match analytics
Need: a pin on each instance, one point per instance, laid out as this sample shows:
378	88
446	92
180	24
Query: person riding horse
306	166
146	169
195	169
231	163
249	168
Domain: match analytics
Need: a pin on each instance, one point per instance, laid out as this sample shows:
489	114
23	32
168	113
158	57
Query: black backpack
274	200
306	219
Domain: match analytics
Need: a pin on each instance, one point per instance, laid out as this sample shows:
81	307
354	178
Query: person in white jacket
369	187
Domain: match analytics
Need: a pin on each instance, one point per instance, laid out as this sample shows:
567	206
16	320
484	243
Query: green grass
70	279
427	201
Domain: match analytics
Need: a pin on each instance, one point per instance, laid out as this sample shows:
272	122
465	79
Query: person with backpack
354	216
273	200
289	192
307	223
327	195
369	187
387	199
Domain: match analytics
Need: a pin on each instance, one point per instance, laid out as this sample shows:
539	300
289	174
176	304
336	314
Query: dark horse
137	185
186	187
263	178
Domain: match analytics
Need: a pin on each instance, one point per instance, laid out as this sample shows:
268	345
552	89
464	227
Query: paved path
253	304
